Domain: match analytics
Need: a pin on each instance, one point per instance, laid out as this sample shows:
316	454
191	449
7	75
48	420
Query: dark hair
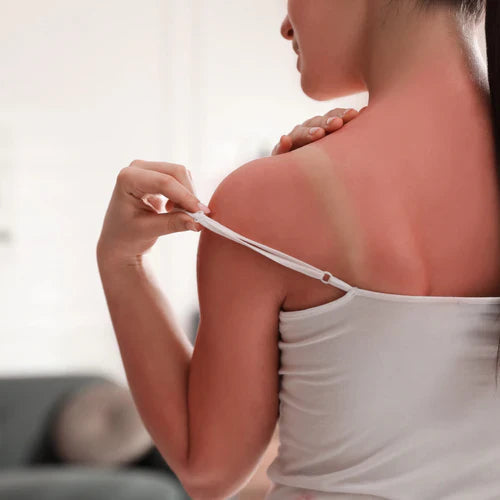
473	11
491	24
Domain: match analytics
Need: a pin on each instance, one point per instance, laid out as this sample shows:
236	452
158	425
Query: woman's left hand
131	227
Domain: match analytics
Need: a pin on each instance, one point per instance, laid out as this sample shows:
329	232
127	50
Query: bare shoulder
320	204
399	197
252	201
288	203
261	199
362	231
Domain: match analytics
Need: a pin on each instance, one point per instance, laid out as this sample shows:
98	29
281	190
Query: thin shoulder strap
271	253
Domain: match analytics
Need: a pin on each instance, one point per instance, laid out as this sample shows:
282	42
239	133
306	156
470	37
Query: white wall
88	86
245	93
82	93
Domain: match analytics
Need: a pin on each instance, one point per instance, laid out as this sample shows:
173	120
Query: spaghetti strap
271	253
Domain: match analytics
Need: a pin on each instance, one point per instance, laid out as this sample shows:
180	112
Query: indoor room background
87	87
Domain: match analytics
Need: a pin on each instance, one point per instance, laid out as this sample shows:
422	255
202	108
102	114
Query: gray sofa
29	469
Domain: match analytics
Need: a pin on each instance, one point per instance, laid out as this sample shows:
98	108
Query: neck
430	60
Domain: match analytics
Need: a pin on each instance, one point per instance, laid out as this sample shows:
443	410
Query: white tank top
384	396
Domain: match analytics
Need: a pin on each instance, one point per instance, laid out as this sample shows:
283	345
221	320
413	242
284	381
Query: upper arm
233	381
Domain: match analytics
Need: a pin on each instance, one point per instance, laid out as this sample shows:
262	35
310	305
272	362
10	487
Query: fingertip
206	210
334	122
287	145
349	115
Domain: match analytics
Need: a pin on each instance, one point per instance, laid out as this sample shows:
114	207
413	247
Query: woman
383	380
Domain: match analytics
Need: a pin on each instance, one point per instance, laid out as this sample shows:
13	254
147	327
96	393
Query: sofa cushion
99	424
27	405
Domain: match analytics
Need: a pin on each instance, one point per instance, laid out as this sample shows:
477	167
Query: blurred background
85	88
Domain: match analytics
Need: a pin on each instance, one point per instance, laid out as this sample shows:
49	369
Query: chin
314	91
326	91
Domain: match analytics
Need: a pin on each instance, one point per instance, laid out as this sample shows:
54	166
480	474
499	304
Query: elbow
205	495
201	486
208	492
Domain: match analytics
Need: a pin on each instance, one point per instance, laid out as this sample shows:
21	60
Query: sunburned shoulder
286	202
255	198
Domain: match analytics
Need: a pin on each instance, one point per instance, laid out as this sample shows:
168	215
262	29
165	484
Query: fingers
182	174
305	135
283	146
319	120
166	223
170	205
315	128
286	143
344	114
172	181
349	115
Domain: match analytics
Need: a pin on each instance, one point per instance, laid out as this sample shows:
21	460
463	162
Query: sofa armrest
74	483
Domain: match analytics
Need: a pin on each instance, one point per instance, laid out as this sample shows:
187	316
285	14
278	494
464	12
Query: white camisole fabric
384	396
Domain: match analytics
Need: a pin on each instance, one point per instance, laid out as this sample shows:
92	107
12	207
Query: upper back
395	210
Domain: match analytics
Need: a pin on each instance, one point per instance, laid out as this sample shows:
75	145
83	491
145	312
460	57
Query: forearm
156	354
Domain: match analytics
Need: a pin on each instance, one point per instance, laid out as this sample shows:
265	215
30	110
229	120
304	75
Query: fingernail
345	112
313	130
330	120
204	208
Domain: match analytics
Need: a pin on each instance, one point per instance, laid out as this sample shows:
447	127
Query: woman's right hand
314	129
